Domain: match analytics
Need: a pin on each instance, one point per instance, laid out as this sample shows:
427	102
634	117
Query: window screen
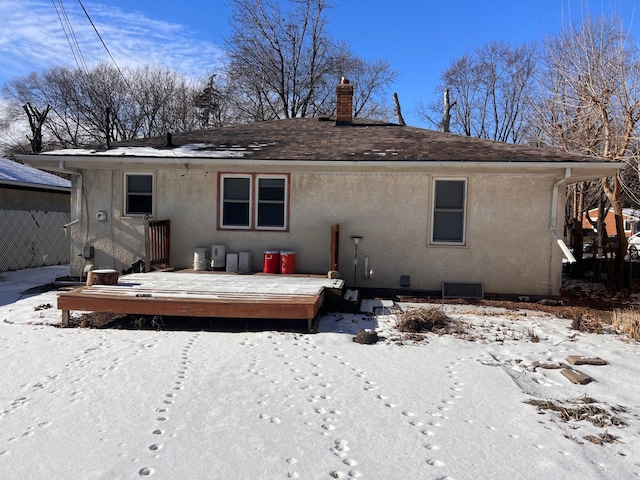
271	202
236	202
138	193
449	211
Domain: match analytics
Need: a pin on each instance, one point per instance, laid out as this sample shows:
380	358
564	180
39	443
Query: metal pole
355	266
356	239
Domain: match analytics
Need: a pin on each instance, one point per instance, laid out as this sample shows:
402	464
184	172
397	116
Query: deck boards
197	295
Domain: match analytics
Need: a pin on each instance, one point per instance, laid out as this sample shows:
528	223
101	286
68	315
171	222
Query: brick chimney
344	103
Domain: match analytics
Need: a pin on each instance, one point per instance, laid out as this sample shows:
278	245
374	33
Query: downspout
79	186
554	216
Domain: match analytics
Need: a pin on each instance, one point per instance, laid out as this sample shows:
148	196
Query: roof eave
89	162
38	186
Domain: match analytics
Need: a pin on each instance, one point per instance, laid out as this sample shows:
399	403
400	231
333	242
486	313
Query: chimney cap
344	81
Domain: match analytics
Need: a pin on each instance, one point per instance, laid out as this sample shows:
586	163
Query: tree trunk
446	114
621	250
36	121
397	110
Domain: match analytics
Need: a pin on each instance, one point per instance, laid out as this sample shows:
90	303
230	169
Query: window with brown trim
253	201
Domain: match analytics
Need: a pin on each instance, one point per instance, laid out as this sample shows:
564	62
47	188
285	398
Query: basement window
253	202
449	211
138	194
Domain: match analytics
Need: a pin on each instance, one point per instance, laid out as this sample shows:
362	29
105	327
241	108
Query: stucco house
429	206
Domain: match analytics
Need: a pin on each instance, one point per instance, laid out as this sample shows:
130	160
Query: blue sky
419	37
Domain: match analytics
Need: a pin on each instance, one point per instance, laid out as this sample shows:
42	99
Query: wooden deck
204	295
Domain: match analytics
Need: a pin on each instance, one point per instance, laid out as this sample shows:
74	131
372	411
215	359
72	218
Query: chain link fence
32	238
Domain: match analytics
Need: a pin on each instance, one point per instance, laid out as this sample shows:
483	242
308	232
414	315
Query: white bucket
218	256
200	259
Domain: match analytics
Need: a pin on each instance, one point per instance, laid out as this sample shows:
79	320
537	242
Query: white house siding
508	243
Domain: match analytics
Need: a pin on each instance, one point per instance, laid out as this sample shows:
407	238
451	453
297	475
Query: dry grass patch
601	439
421	320
627	322
416	323
584	408
587	322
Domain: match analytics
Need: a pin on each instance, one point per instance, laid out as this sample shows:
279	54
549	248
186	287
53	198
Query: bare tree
284	64
591	105
141	101
13	130
493	90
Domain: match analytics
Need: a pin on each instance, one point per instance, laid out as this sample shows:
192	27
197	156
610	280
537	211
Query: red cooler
287	262
271	262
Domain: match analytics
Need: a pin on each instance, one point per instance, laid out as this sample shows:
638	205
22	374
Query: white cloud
32	39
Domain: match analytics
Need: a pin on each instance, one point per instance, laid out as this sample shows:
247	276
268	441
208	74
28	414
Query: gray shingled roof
321	139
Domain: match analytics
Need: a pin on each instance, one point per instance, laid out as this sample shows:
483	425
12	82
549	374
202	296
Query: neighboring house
429	206
34	207
630	217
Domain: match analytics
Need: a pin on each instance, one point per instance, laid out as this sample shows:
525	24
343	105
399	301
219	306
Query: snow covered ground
111	404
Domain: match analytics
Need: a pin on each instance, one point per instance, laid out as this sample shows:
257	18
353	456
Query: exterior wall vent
462	290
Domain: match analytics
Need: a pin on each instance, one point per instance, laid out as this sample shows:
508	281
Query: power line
70	35
103	43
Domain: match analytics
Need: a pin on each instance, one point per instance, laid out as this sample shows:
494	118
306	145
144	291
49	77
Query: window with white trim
138	194
236	201
253	201
449	211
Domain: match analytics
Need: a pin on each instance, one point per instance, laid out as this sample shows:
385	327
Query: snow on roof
190	150
13	173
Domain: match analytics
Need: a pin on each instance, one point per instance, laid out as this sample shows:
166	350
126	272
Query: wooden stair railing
156	243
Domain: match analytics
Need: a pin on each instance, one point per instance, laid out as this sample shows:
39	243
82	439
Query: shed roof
14	173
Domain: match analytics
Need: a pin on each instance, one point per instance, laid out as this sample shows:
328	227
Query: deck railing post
335	247
147	246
